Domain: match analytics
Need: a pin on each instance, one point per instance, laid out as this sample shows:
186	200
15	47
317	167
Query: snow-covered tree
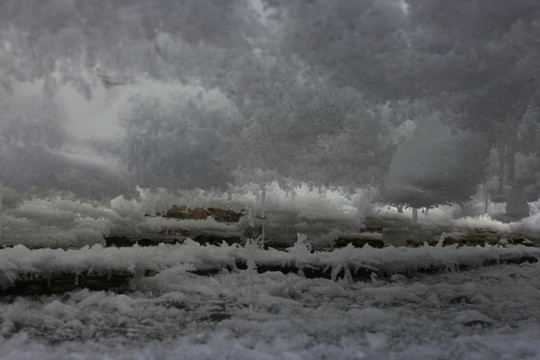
321	91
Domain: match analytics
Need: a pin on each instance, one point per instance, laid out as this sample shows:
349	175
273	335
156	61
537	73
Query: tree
176	138
321	91
436	165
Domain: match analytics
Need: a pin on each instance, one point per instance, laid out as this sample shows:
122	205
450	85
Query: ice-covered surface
483	313
67	223
322	214
486	313
190	255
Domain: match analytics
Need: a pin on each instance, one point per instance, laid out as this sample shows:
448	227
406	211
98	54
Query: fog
429	102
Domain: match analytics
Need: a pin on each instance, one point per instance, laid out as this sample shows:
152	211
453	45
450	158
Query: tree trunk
501	152
511	162
263	214
486	200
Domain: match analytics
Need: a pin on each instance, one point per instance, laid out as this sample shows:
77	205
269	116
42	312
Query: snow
323	214
374	303
301	114
485	313
483	222
191	255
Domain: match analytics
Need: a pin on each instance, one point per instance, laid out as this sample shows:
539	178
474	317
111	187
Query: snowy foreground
486	312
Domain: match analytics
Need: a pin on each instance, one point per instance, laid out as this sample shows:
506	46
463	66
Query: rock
198	214
413	243
221	214
211	239
147	242
185	213
482	237
372	229
520	241
177	212
359	240
452	241
118	241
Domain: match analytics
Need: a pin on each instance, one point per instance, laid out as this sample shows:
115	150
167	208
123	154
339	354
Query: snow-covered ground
58	222
485	313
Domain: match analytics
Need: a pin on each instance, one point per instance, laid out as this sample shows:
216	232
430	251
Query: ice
455	314
321	120
388	260
481	313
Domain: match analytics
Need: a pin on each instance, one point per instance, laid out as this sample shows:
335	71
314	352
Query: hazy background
428	101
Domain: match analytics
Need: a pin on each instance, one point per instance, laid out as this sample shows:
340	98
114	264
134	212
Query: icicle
251	221
251	251
335	272
77	278
263	215
441	239
348	276
486	200
49	278
300	249
263	199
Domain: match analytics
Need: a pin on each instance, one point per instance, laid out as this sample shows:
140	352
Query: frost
290	317
321	120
